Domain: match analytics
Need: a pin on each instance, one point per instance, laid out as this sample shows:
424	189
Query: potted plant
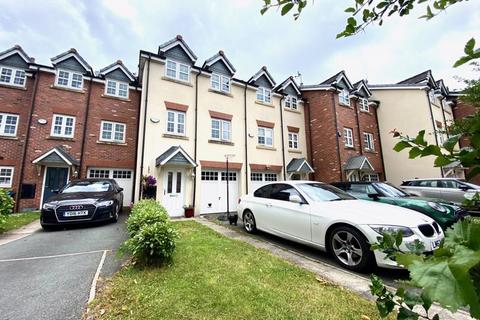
149	187
189	211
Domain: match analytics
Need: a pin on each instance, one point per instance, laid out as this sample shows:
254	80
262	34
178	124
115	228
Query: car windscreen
88	186
390	191
324	192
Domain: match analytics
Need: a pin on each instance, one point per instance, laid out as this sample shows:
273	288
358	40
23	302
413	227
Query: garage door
124	178
259	179
214	191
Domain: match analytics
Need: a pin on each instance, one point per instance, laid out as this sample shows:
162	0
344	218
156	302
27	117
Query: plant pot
150	192
189	212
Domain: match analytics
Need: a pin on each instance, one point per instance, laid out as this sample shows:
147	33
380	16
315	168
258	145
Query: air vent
436	227
426	230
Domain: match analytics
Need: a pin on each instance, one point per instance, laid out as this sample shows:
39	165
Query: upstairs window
220	83
177	70
116	89
221	130
176	122
63	126
291	102
368	141
264	95
364	105
8	124
344	97
69	79
265	136
12	76
292	140
348	137
113	132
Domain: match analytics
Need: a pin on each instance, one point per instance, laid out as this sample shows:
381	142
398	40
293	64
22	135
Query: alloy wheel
347	248
249	221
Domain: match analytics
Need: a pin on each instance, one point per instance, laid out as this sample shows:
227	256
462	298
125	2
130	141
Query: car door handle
268	205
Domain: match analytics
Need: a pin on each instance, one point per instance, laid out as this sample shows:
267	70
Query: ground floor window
6	177
371	177
209	175
232	176
99	173
122	174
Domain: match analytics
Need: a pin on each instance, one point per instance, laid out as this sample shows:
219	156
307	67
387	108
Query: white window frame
368	139
69	79
344	97
264	136
264	95
291	102
3	124
63	126
177	69
13	76
7	185
222	130
364	105
348	137
114	131
219	82
176	123
368	177
117	89
293	140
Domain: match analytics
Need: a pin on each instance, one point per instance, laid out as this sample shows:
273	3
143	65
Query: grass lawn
17	220
214	277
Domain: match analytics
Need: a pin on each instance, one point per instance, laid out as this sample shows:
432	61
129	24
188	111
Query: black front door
55	179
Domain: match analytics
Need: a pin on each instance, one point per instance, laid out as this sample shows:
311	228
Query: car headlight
436	206
104	203
47	206
381	229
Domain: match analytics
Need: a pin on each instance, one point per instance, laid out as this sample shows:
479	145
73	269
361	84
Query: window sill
185	83
106	96
8	137
12	86
265	104
366	112
370	151
349	148
227	94
67	89
345	105
120	144
266	148
174	136
226	143
291	110
61	138
294	151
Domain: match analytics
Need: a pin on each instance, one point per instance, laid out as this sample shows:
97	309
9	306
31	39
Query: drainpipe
144	122
195	140
136	144
433	125
25	144
380	141
246	137
283	139
84	135
336	134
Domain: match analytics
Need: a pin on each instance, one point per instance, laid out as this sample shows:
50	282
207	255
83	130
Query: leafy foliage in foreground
450	276
6	205
145	212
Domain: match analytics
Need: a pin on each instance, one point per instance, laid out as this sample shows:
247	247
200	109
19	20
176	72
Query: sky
104	31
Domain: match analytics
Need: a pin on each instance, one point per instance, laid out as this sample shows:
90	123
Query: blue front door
55	179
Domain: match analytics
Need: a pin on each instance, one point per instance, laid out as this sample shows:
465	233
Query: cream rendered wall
407	111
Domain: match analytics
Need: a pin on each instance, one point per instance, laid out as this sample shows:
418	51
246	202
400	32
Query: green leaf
462	61
414	152
451	142
469	47
426	302
398	238
406	259
286	8
412	298
382	5
431	150
405	314
441	161
352	22
401	145
351	9
420	138
263	10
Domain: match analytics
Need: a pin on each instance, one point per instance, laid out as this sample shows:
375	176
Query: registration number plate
78	213
436	244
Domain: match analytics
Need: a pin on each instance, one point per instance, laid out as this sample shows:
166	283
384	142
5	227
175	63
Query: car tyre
115	215
350	249
249	222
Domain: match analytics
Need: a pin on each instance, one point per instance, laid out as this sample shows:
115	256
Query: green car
443	212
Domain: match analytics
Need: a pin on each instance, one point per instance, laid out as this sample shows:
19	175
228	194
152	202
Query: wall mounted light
155	120
42	121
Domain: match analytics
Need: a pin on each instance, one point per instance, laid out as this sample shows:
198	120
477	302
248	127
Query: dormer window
116	88
291	102
364	105
344	97
220	82
264	95
69	79
177	70
12	76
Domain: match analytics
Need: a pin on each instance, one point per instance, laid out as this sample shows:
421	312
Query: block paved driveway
48	275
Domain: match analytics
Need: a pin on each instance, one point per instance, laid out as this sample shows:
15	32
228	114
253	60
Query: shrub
145	212
6	204
153	244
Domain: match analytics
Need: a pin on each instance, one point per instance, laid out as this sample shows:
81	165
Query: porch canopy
359	163
175	155
56	156
299	165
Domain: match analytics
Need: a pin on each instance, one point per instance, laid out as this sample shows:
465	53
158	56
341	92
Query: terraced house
63	122
195	117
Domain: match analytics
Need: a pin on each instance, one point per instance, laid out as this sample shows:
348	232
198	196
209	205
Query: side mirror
295	199
374	196
120	189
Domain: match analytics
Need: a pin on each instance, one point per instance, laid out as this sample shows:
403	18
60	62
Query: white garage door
214	191
259	179
124	178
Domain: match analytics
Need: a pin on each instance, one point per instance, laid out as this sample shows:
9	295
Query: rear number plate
436	244
75	213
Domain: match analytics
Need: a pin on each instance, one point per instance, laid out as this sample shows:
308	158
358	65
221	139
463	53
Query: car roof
354	182
294	182
428	179
92	180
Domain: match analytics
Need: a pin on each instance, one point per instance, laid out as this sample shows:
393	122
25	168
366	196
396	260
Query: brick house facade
73	125
339	117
